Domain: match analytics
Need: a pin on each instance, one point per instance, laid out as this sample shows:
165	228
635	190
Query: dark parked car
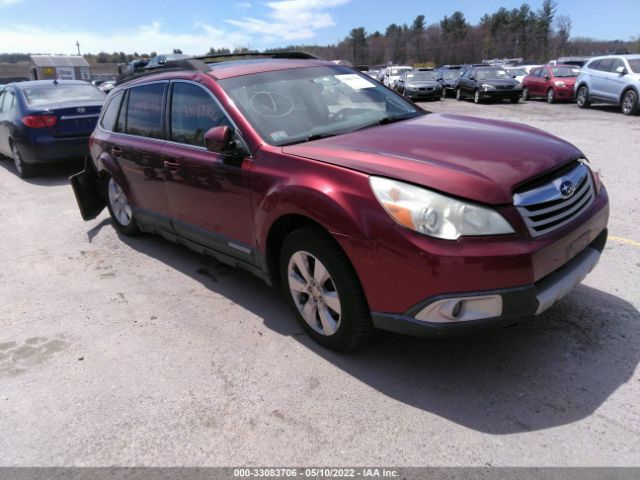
551	82
419	85
449	80
488	83
46	121
368	211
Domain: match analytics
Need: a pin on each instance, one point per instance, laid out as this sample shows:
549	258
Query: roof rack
190	64
226	57
200	64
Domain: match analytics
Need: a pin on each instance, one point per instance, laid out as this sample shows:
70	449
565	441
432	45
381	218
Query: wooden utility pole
78	45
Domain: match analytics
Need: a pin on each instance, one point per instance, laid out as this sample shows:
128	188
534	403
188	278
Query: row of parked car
614	79
303	172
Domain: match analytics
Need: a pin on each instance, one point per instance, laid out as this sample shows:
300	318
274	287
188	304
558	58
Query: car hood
510	82
482	160
423	83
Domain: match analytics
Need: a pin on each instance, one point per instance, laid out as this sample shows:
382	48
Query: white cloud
242	5
290	20
144	38
4	3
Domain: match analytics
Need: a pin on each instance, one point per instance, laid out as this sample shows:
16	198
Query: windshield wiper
310	138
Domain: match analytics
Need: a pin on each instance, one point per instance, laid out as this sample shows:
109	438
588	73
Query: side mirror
621	70
162	60
547	77
472	77
219	139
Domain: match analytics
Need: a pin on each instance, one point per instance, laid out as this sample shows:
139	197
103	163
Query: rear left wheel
323	290
24	170
120	209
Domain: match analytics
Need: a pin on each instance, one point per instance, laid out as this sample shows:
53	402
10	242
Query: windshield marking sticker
355	81
279	135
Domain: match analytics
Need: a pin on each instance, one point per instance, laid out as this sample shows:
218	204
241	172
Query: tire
629	104
444	92
515	100
458	94
477	99
525	94
24	170
119	208
551	96
582	97
344	322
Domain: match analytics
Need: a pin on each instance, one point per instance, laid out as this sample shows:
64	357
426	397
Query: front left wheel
630	103
324	290
551	96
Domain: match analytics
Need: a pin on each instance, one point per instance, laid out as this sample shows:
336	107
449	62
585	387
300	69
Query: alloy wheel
628	102
314	293
119	204
17	161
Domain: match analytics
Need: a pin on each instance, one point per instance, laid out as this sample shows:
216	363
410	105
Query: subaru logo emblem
81	110
567	189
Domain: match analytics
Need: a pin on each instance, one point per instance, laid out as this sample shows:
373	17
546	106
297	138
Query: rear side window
144	110
110	116
193	112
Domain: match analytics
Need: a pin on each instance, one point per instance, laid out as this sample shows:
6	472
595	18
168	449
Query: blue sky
51	26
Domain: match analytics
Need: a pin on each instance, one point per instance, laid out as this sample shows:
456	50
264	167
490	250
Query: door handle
116	151
171	165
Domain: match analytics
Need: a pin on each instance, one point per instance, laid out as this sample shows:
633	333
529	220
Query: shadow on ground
550	371
47	175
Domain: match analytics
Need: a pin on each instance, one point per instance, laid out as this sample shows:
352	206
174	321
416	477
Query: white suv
392	74
612	79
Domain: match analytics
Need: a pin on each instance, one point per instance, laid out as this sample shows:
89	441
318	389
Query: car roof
236	68
634	56
36	83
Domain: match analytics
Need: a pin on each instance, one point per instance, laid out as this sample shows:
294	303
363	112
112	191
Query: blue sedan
47	121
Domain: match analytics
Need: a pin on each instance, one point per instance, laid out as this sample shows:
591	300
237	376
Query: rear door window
616	63
144	110
110	116
193	113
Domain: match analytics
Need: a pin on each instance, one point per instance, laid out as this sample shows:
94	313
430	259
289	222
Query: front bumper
564	93
501	94
514	304
423	95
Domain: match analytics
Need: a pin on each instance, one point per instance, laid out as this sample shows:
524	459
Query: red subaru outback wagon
369	211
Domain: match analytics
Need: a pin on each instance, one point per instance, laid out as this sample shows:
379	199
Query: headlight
409	87
434	214
486	86
559	84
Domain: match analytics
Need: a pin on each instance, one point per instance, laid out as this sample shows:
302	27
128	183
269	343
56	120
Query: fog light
462	309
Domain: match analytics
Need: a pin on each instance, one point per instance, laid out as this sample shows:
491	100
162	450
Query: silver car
613	79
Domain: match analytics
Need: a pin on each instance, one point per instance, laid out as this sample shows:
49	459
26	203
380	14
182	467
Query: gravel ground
119	351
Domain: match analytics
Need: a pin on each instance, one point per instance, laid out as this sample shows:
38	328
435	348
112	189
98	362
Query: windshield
61	93
300	104
565	71
485	73
395	72
421	76
517	71
635	65
452	74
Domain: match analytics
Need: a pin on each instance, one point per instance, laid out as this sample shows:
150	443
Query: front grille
425	89
550	206
504	87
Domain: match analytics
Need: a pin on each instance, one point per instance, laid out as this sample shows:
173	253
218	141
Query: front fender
337	198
